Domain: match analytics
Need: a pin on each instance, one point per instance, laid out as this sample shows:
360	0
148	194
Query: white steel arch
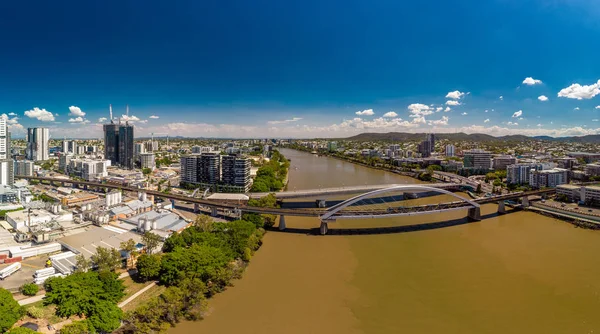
336	208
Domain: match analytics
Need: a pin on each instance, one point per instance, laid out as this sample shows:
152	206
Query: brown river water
516	273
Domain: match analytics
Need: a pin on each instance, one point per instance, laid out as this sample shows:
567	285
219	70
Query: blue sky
302	69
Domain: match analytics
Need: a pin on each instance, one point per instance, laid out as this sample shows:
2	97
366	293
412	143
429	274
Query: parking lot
24	275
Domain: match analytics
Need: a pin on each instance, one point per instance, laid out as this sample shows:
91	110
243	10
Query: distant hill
475	137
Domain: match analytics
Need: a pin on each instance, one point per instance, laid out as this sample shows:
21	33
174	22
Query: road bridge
358	207
345	190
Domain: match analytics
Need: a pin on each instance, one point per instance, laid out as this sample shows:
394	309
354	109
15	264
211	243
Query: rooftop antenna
127	111
110	109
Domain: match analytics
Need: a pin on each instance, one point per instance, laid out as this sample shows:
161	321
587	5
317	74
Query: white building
113	198
450	150
548	178
23	167
37	144
6	165
88	169
147	160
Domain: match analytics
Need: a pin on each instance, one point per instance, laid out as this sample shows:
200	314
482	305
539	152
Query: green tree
107	259
129	246
146	171
106	316
78	327
82	263
255	218
150	241
148	266
204	222
10	310
29	289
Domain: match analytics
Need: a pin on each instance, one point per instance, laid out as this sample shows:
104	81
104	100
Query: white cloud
419	120
456	95
579	92
441	121
75	111
102	119
539	125
447	109
501	97
366	112
595	120
452	103
40	114
576	108
154	117
438	109
485	110
419	109
12	114
390	114
511	123
531	81
486	121
543	98
78	120
517	114
295	119
130	118
464	114
597	107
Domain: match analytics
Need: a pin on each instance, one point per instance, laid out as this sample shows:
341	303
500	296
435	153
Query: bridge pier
282	226
525	201
324	227
173	203
214	211
501	207
196	207
474	214
321	203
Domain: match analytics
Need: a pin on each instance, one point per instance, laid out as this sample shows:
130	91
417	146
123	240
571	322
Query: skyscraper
111	142
6	164
37	144
126	159
431	139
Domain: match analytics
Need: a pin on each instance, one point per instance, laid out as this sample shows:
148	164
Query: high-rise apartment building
548	178
479	159
65	146
37	144
23	167
425	148
147	160
228	173
450	150
235	172
6	163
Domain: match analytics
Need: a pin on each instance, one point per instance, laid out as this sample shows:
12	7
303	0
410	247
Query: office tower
126	145
73	147
501	162
235	172
450	150
477	159
431	139
6	163
37	144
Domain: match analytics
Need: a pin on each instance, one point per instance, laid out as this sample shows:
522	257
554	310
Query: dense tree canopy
10	310
107	259
271	175
89	294
148	266
78	327
22	330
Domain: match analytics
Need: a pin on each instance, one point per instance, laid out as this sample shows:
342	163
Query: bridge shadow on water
388	229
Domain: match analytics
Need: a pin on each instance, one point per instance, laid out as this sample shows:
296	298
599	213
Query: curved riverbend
515	273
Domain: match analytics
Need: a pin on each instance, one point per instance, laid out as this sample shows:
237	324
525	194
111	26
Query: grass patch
131	286
154	291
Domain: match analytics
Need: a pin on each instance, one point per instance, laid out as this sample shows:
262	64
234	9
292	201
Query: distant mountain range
475	137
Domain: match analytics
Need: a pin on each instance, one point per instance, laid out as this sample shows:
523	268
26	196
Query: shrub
29	289
35	312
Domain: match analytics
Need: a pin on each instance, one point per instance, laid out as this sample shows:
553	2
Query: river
515	273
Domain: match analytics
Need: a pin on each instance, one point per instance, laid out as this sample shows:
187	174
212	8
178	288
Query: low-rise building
78	199
586	194
501	162
592	169
548	178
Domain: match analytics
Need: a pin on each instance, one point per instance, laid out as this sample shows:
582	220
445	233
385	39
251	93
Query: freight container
4	273
13	259
44	272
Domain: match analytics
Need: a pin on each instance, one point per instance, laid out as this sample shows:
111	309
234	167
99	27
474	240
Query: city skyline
327	69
